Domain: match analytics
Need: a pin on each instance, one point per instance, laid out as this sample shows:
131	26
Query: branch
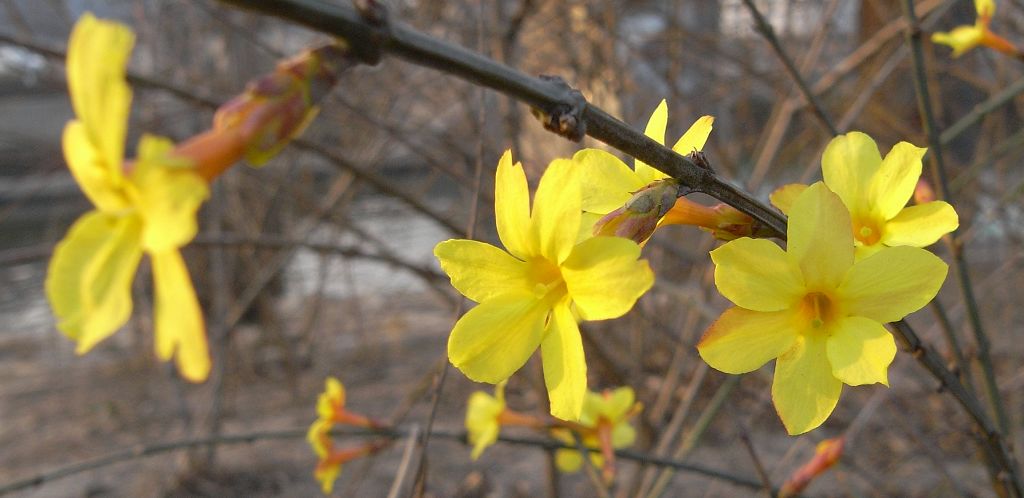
371	40
146	450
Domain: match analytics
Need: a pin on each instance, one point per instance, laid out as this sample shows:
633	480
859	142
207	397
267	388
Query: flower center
546	277
867	232
818	309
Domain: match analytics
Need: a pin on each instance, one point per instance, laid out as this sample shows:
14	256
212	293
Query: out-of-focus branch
371	40
145	450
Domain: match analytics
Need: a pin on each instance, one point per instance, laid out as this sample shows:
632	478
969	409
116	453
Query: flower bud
825	456
639	217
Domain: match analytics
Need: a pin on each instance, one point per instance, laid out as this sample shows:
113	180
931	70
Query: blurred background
320	262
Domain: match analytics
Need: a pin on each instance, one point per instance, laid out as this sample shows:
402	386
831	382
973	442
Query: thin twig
769	35
144	450
939	175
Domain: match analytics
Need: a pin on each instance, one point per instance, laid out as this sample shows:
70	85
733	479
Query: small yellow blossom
609	184
876	192
531	295
330	409
147	206
483	418
606	423
965	38
814	309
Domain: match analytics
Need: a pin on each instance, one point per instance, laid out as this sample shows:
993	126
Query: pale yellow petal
784	196
804	390
494	339
742	341
921	225
169	196
98	53
985	8
556	210
820	237
757	275
847	166
512	208
606	182
89	279
655	130
894	182
100	184
179	320
892	283
860	351
481	271
695	137
961	39
565	368
605	277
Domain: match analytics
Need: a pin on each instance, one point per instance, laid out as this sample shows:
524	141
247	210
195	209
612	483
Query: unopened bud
639	217
278	106
923	192
825	456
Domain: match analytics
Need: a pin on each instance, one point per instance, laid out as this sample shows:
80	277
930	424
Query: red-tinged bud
278	106
923	192
825	456
639	217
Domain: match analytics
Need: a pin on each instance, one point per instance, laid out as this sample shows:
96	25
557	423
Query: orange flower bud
825	456
639	217
923	192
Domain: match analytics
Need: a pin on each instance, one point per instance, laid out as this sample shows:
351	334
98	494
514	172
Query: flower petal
961	39
920	225
820	237
784	196
655	130
892	283
179	320
804	390
557	211
860	351
605	277
894	182
482	421
565	368
757	275
742	341
100	184
90	275
512	207
98	53
847	166
606	181
695	137
481	271
169	195
494	339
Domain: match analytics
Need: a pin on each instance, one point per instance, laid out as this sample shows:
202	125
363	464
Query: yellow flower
814	309
483	418
609	184
876	191
964	38
330	409
530	296
606	416
148	206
